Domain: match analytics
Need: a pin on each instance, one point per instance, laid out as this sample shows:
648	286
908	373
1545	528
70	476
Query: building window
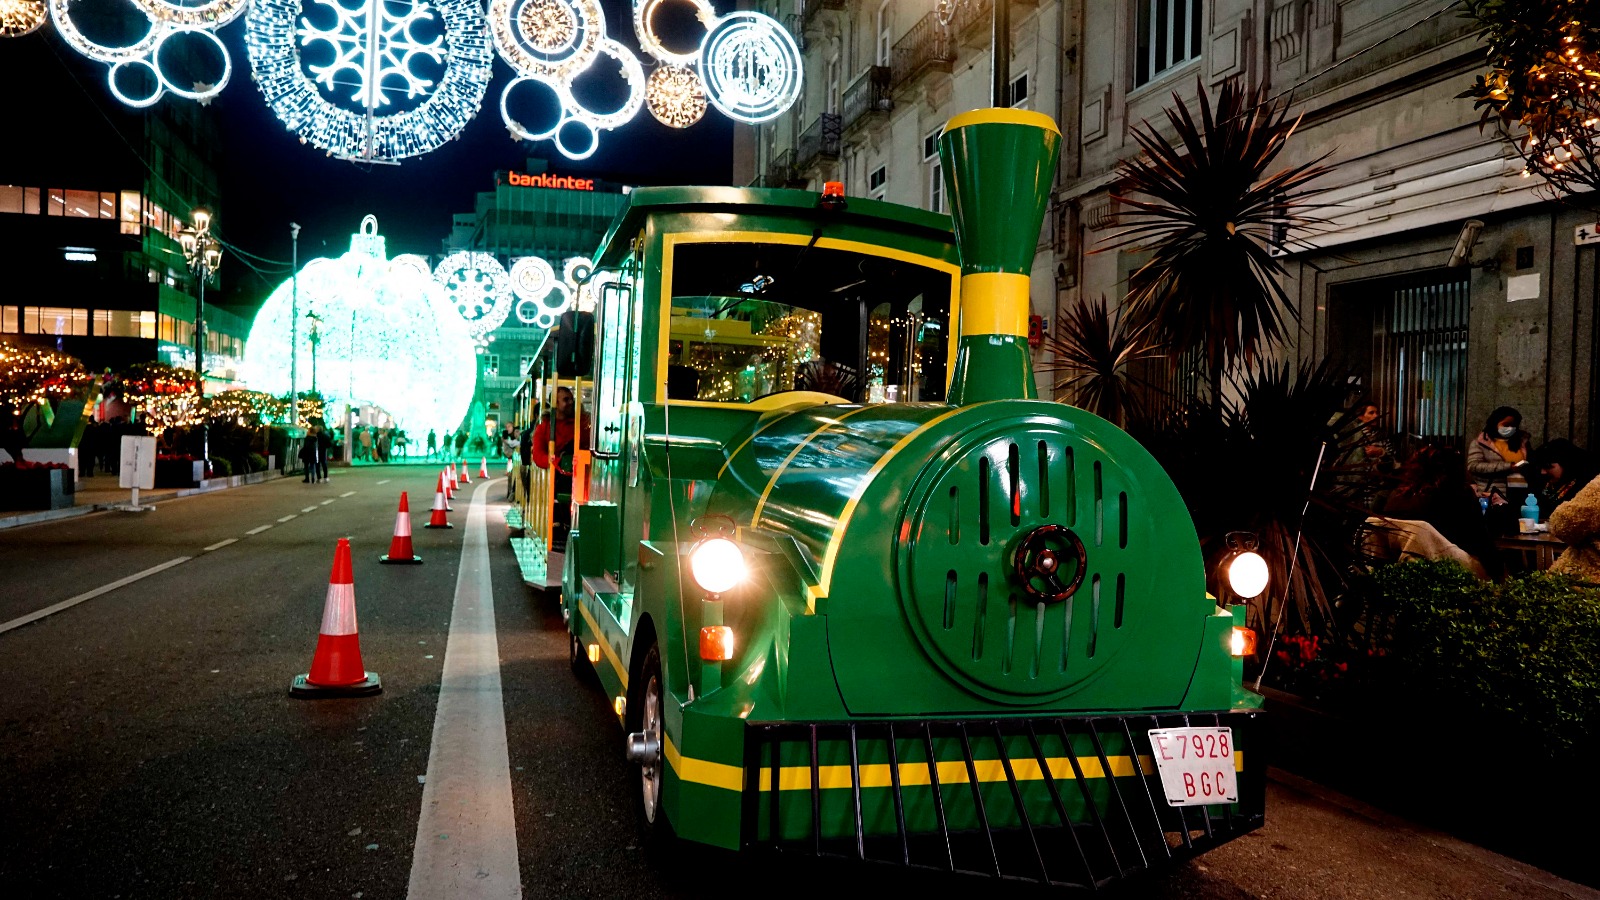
832	103
14	199
1019	91
878	178
936	186
128	223
8	319
491	364
57	320
523	364
930	144
884	47
125	323
1167	35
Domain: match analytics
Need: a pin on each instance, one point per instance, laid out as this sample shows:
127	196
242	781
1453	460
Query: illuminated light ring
576	270
61	16
484	267
752	67
20	17
412	261
568	152
506	32
214	14
633	75
562	94
209	92
549	314
532	278
676	96
139	103
644	11
534	13
294	98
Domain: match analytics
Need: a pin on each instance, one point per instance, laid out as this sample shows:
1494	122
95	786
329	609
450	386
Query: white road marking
108	588
220	544
258	530
386	481
348	494
289	516
309	509
467	835
329	500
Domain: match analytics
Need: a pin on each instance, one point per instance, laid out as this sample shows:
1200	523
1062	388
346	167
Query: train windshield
753	319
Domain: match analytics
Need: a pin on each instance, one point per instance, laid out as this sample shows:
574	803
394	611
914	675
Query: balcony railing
780	170
866	95
926	47
973	21
819	140
810	9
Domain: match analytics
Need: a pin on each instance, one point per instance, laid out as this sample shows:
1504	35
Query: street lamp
294	323
204	255
316	338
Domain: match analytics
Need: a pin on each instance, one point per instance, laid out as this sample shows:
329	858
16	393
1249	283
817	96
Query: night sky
270	179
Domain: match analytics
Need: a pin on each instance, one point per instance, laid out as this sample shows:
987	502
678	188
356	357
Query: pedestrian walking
308	455
433	444
324	450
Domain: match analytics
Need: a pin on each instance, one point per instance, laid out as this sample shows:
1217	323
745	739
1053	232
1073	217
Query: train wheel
649	740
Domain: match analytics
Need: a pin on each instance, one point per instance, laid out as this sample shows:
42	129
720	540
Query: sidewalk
101	492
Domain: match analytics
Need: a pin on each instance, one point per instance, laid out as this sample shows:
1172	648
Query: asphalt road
149	748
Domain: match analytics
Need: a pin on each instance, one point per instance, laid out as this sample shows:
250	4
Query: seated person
1433	488
564	430
1564	470
1577	524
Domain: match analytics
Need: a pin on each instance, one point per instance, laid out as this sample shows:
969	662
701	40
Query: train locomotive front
971	635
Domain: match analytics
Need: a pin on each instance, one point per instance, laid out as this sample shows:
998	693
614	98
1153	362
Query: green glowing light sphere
385	333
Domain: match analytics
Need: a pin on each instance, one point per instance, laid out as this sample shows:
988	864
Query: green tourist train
850	587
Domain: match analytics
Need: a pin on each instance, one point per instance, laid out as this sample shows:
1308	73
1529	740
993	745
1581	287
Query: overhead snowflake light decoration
752	67
388	337
644	14
542	298
384	52
479	288
20	17
166	19
676	96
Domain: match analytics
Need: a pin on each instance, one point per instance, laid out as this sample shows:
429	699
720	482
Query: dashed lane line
309	509
289	516
467	834
348	494
258	530
386	481
90	595
220	544
329	500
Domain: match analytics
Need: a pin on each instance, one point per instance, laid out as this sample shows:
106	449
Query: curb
209	486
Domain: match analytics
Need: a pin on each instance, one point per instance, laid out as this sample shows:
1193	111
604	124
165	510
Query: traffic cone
464	478
483	467
437	519
400	546
336	669
454	481
449	485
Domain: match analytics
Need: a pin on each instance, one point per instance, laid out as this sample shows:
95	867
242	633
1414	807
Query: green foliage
220	467
1093	347
1524	654
1542	89
255	462
1204	205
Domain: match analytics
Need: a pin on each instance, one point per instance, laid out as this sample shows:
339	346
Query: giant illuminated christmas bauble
386	333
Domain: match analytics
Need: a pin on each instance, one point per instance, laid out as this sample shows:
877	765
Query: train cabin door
618	423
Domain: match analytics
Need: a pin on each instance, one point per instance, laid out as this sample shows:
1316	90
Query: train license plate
1196	765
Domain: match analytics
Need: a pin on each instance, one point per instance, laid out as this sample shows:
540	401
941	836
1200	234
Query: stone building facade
1375	82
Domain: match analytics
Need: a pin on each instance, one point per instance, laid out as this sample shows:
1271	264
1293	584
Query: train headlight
717	565
1247	574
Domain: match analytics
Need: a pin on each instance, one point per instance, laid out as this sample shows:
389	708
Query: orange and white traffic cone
449	485
483	467
437	519
464	478
336	669
400	545
455	482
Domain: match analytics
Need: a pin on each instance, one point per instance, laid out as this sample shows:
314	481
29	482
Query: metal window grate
995	803
1419	356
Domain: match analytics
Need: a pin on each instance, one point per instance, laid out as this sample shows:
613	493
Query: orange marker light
716	643
1241	643
833	189
594	653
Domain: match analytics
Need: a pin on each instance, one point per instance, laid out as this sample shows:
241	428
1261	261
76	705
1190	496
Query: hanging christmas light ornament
20	17
479	288
644	27
752	67
165	20
676	96
370	80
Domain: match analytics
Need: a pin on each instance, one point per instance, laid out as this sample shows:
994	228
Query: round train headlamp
717	565
1247	574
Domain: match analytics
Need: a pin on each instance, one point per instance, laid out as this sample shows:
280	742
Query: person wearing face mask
1498	458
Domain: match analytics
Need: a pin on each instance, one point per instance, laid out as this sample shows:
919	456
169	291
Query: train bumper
1066	801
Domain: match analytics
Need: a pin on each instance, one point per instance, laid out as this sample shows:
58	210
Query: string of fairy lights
384	80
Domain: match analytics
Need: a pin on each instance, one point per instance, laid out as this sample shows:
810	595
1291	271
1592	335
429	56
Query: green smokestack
999	165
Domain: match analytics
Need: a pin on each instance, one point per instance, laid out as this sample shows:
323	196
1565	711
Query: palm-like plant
1203	204
1094	348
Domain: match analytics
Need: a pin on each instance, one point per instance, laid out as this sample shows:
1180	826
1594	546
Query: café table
1540	546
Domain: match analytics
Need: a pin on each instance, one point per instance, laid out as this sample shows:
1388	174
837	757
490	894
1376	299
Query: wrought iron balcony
926	47
867	95
780	170
810	9
819	141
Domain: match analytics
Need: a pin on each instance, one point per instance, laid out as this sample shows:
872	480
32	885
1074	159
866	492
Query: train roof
860	212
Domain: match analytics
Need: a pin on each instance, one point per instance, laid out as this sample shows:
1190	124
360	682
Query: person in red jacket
564	430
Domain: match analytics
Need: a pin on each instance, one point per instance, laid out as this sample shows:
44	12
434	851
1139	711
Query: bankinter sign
564	182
